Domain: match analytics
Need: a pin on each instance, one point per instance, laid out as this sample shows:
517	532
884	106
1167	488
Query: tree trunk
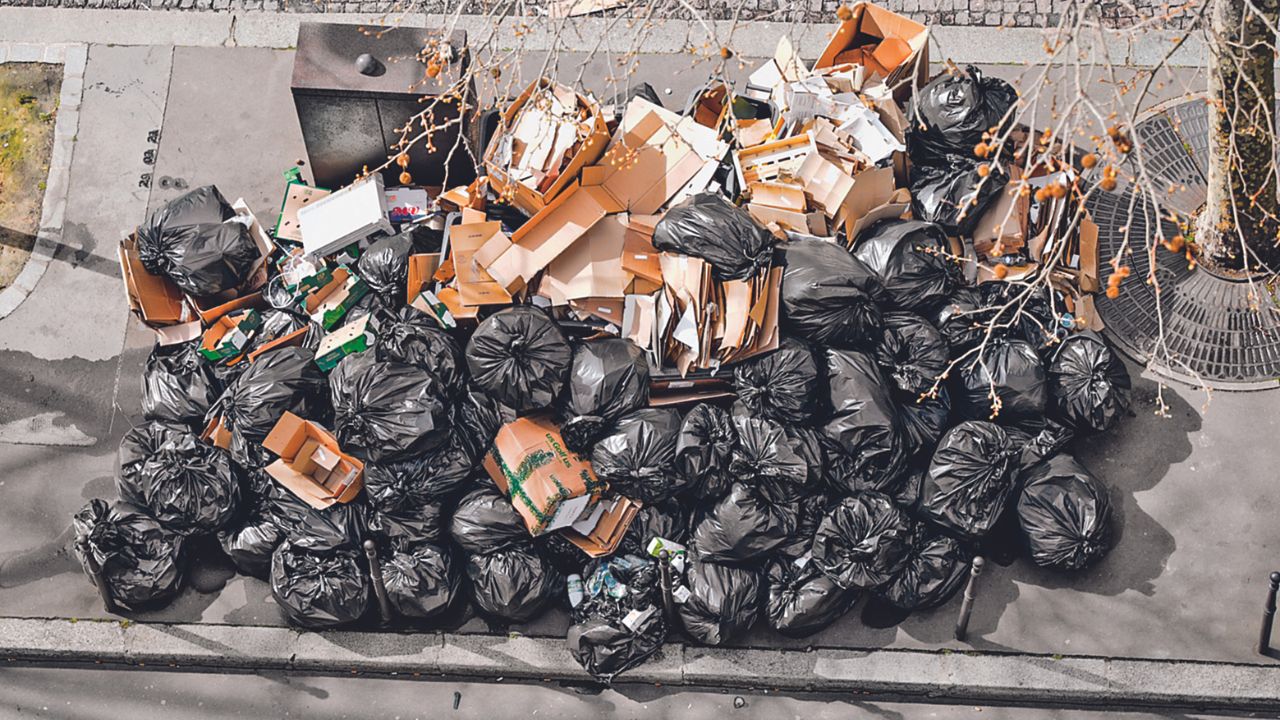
1239	228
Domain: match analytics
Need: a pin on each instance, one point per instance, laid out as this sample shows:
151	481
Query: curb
969	677
73	57
756	39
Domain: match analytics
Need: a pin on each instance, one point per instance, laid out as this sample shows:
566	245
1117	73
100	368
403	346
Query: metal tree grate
1220	332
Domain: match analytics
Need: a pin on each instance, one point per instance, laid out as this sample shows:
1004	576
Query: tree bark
1238	229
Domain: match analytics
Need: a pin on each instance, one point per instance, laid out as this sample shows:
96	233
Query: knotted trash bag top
955	195
961	319
251	542
864	422
912	353
781	386
141	561
709	227
385	267
828	296
609	378
781	463
910	257
1004	383
278	381
513	585
637	457
1065	514
178	385
401	508
954	110
936	568
864	541
970	478
744	527
198	242
190	487
422	580
802	600
611	635
138	444
387	411
723	600
485	522
319	589
520	357
410	337
1088	385
339	526
704	451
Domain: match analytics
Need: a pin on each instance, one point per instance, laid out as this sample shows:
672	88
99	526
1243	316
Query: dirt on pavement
28	107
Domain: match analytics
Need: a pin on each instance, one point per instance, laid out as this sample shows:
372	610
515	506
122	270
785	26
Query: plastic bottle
575	590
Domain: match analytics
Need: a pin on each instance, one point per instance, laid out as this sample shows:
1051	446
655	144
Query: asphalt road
75	694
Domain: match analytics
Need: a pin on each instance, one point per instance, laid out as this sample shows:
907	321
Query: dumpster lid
327	52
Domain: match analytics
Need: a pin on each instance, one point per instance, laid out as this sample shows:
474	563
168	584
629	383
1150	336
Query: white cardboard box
348	215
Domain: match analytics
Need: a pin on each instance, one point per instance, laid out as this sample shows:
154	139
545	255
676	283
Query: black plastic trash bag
141	561
485	522
864	422
912	353
908	256
1036	316
611	635
1088	384
387	411
828	296
802	600
339	526
178	385
1065	514
955	195
936	568
723	600
1049	441
138	444
667	520
520	357
190	487
401	508
609	378
708	226
319	589
863	542
810	510
413	338
251	543
421	580
781	386
1011	370
637	457
744	527
384	266
970	478
704	451
924	421
950	114
476	419
780	462
278	381
188	240
513	585
960	319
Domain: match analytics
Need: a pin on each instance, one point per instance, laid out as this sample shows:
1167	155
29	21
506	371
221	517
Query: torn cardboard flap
312	465
592	266
602	534
155	299
549	486
647	163
475	286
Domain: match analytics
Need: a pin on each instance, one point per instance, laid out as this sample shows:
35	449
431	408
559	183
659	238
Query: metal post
1268	616
104	590
664	570
375	574
966	606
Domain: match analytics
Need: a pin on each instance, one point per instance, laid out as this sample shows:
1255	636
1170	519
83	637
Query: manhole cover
1216	331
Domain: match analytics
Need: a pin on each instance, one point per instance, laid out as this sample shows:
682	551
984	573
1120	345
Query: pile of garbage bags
890	431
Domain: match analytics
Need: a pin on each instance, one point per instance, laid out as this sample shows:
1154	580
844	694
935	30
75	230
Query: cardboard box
155	299
291	339
549	486
591	267
228	336
345	217
327	304
475	286
347	340
647	162
312	466
422	268
590	144
296	196
602	537
886	43
405	204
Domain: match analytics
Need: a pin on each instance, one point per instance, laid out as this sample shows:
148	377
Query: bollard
375	574
104	590
966	606
664	573
1268	616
